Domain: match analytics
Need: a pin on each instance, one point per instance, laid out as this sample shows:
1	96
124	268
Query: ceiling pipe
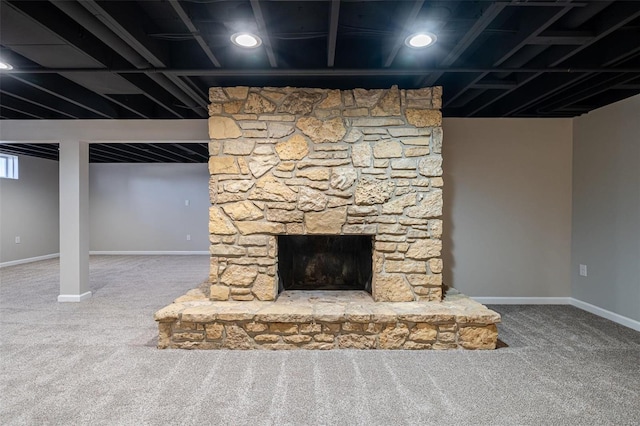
91	23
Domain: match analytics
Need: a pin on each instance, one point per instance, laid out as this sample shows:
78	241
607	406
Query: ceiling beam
18	110
334	18
34	103
467	39
320	72
537	22
125	41
564	38
173	154
186	20
409	21
262	30
547	88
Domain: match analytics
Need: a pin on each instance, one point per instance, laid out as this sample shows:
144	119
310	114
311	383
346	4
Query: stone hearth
290	164
326	320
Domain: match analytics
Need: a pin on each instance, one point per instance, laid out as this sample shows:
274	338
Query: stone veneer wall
301	161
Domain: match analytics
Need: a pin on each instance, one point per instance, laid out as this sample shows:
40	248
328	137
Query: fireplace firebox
324	262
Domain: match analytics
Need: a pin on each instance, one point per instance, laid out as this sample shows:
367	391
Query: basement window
8	166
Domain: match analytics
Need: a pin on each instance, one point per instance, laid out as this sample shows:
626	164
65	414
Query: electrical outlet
18	240
186	203
188	237
583	270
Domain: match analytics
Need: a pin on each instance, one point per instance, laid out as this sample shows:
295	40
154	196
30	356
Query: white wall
29	210
507	206
606	208
141	207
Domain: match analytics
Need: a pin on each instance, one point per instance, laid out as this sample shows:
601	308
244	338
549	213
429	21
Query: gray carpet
95	363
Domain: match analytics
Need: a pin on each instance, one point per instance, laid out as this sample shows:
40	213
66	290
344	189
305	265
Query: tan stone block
397	205
391	288
361	155
295	148
448	328
332	100
237	338
255	327
214	331
269	188
223	165
266	338
249	228
238	147
478	337
214	109
430	165
297	339
326	222
405	266
367	98
356	112
238	275
223	128
424	280
331	328
435	265
429	206
371	191
169	313
219	292
311	200
219	224
393	336
241	117
237	185
294	228
387	149
277	130
447	337
411	345
351	327
424	117
372	328
242	164
227	251
444	346
273	94
389	104
261	164
284	216
188	336
257	104
299	102
238	92
424	249
327	338
216	94
233	107
310	328
265	288
416	151
243	210
286	166
283	328
435	228
318	346
423	332
359	229
354	135
316	173
322	131
356	341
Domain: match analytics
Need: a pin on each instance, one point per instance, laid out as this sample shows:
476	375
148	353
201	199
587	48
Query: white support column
74	221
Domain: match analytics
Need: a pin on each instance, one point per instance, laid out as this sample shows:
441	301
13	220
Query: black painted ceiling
155	59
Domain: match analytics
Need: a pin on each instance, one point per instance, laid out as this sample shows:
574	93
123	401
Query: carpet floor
96	363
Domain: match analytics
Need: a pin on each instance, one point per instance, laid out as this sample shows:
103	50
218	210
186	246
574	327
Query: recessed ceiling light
5	66
420	40
246	40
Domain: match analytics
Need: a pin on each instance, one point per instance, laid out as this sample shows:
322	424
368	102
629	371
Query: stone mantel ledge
326	320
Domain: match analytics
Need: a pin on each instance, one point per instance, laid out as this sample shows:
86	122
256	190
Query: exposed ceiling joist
264	33
194	32
334	18
409	22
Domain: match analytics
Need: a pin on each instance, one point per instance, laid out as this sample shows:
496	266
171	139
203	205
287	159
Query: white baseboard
29	260
147	253
74	297
612	316
617	318
523	300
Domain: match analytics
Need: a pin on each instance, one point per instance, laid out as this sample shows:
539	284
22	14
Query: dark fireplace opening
327	262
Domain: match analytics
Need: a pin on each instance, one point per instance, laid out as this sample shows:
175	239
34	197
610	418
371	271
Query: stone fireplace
325	214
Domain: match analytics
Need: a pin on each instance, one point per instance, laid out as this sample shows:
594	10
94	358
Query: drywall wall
141	207
606	208
507	206
29	210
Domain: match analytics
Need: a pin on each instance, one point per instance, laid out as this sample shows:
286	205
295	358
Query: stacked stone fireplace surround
317	162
